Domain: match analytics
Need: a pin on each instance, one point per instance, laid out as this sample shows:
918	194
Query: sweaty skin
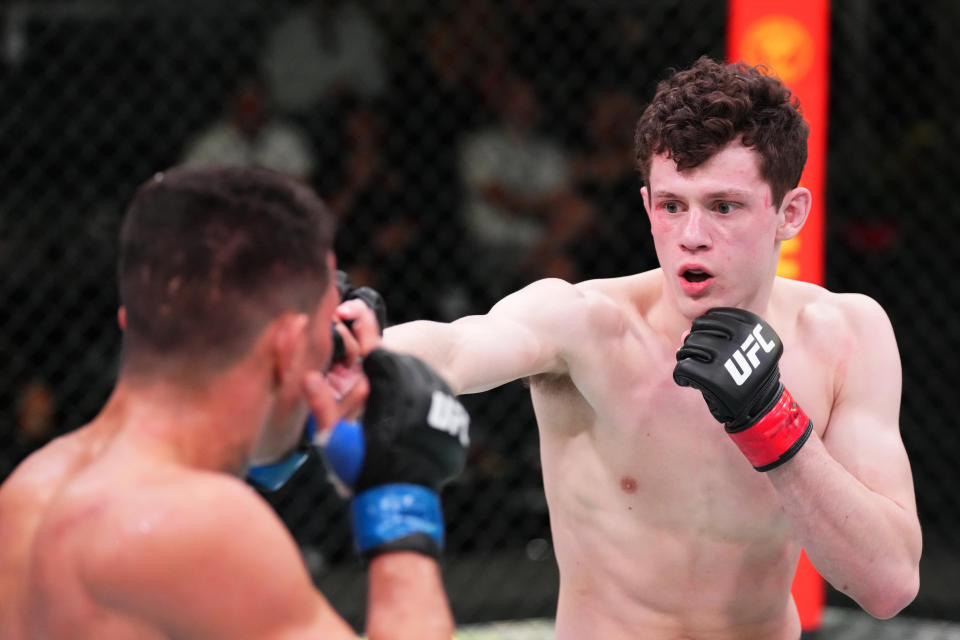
138	524
22	498
662	528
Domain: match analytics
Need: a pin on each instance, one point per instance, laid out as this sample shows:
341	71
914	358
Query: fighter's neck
212	427
668	318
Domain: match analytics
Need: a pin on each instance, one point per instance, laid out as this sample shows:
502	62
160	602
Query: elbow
893	595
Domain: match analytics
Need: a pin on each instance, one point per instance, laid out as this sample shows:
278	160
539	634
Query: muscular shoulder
850	333
193	550
832	320
604	303
41	473
176	523
563	310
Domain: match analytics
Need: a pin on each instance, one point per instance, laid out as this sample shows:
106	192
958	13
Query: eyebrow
728	193
664	194
713	195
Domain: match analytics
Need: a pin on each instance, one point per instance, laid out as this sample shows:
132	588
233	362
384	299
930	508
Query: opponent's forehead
735	168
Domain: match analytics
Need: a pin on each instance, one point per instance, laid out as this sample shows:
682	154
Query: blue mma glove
413	438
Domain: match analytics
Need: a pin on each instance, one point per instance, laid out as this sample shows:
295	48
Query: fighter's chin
279	439
692	307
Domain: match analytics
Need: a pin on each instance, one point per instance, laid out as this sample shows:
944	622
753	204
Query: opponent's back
24	499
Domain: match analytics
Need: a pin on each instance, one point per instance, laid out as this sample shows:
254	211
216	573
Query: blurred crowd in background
466	147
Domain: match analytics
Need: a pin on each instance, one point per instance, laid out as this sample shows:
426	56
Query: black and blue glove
412	439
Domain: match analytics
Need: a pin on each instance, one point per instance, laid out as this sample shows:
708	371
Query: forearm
472	354
407	599
432	342
863	543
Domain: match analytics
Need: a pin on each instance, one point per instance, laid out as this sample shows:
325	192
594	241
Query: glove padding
731	356
413	438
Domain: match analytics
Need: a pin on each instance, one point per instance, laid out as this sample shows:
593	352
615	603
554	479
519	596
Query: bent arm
850	495
522	335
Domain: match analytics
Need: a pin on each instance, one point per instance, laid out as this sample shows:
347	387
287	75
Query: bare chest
649	447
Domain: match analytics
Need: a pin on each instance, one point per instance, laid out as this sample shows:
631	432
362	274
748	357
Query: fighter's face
715	230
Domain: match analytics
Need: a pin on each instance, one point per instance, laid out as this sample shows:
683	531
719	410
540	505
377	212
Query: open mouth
695	275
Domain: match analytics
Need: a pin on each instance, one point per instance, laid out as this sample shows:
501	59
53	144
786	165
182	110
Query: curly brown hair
698	111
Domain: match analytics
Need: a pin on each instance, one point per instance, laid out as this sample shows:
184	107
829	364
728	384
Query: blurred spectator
604	170
520	208
34	423
376	233
35	411
320	50
248	135
437	78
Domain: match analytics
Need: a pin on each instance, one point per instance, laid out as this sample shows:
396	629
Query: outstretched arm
524	334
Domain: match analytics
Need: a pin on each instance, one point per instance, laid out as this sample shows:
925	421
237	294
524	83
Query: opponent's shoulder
42	472
197	555
152	531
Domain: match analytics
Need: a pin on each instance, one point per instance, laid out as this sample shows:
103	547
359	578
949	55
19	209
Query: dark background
97	96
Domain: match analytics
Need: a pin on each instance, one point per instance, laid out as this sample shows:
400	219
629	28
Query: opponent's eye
671	207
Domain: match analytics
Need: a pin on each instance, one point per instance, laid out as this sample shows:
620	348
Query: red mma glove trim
777	436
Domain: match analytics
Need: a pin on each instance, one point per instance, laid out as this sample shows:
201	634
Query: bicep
863	434
522	335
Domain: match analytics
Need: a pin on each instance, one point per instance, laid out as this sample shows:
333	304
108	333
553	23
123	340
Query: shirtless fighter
667	524
139	524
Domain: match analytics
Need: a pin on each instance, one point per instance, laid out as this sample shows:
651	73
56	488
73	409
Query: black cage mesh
394	110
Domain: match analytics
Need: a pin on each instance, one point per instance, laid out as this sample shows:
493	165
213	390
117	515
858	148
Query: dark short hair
698	111
210	255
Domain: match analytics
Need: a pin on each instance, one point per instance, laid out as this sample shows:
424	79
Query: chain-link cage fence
397	112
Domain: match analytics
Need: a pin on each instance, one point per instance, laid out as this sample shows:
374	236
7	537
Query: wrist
397	517
775	436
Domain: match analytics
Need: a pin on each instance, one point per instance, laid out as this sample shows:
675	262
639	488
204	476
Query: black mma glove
412	439
370	296
731	356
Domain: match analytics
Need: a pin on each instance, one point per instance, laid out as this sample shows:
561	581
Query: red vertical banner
792	39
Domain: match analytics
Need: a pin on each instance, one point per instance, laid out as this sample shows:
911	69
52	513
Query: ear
793	213
645	195
122	318
288	342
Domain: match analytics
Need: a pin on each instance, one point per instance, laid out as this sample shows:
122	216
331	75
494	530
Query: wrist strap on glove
777	436
397	517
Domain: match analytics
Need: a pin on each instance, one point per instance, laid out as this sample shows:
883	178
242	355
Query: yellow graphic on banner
789	263
781	43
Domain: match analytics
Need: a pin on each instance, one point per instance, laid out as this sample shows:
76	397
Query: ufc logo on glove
745	393
448	415
748	351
